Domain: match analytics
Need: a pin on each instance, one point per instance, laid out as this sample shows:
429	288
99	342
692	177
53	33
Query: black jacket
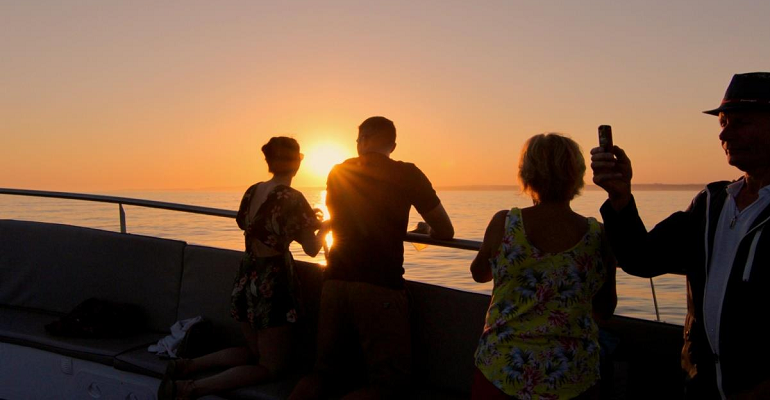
683	243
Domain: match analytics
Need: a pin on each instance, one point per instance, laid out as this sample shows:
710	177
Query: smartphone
605	137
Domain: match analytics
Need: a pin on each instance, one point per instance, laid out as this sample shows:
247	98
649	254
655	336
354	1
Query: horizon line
480	187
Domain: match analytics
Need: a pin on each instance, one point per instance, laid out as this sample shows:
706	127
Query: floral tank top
540	340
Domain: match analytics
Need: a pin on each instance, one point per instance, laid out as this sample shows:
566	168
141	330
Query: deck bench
47	269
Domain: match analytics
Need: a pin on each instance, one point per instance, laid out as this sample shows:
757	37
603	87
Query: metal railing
462	244
216	212
120	201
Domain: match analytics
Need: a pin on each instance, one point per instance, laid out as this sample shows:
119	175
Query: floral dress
540	340
265	291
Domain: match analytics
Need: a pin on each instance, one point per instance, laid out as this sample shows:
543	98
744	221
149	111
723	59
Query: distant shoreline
446	188
634	187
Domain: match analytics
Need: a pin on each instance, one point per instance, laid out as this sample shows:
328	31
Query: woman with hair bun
553	274
265	293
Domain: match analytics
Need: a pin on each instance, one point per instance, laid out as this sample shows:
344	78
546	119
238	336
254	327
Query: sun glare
329	238
320	158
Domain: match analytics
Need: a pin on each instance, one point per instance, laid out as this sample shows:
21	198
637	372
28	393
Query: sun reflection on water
329	239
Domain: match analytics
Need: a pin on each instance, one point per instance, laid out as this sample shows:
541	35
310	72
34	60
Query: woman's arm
312	240
480	268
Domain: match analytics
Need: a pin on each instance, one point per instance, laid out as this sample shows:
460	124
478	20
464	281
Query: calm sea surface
470	212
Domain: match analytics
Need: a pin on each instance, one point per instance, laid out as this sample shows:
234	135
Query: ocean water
470	211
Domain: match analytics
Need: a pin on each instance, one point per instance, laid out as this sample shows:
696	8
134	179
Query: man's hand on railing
421	228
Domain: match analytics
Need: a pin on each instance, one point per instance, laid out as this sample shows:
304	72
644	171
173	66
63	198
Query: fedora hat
748	91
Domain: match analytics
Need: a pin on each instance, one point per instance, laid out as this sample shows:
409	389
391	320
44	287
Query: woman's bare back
553	228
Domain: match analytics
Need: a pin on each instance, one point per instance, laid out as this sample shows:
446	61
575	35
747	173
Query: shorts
375	317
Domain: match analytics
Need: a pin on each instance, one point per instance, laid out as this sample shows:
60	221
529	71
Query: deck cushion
141	361
27	328
207	282
54	267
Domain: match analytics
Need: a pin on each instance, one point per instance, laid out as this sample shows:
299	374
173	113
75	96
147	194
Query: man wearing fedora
718	243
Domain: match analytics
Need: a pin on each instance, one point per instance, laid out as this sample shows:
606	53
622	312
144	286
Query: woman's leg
225	358
269	350
275	349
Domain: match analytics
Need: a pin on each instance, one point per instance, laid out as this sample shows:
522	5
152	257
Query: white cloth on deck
169	344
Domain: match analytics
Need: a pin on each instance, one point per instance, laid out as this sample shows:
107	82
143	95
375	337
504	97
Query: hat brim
738	107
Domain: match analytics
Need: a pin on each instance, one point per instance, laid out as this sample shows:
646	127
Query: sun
320	158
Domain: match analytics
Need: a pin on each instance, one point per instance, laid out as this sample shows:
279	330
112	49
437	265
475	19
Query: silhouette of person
553	273
363	300
265	296
717	242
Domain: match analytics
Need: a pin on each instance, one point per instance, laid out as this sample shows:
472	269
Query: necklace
736	214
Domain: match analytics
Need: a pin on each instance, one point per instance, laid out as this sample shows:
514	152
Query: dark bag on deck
95	318
198	340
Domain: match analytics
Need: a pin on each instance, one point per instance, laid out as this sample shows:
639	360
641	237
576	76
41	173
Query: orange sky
181	95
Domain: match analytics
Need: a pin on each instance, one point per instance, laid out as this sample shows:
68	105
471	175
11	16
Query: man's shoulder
350	162
716	190
719	185
376	161
406	165
713	193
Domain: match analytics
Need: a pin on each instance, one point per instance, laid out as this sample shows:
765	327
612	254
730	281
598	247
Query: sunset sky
136	95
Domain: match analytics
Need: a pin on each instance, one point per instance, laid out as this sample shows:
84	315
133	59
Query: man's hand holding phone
612	169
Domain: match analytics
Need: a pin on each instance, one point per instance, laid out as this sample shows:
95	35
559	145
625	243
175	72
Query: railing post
122	218
655	301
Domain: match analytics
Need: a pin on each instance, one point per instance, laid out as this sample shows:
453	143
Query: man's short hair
380	127
551	168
